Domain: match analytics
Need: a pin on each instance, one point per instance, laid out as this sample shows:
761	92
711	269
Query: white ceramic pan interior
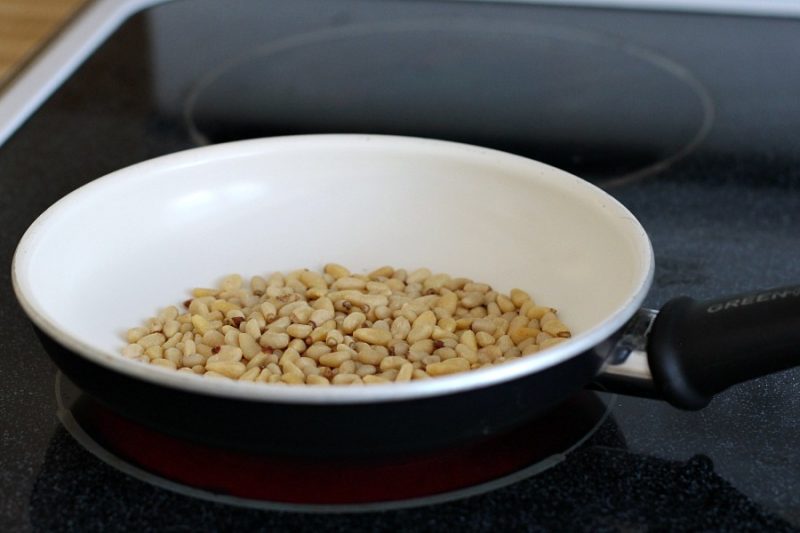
115	251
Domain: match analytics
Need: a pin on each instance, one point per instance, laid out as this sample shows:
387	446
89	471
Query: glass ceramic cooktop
689	119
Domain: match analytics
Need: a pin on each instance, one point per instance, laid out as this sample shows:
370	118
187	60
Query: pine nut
302	314
317	380
405	372
269	311
418	276
297	344
451	366
166	363
537	311
370	357
259	360
248	345
467	353
400	327
468	338
425	318
440	334
519	321
478	312
471	299
483	324
320	316
491	351
334	338
448	302
419	333
348	283
500	326
425	345
299	331
353	321
346	379
291	378
274	340
348	367
547	343
213	338
200	324
152	339
504	343
430	359
373	336
448	324
512	353
415	355
392	362
386	326
464	322
520	334
530	349
333	360
321	333
518	297
337	271
389	375
174	355
312	280
382	272
371	379
395	285
203	349
171	327
193	360
505	304
250	375
133	350
435	282
154	324
154	352
366	370
173	342
231	369
317	349
382	312
556	328
445	353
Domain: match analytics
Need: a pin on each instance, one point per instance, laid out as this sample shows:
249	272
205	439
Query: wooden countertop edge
32	53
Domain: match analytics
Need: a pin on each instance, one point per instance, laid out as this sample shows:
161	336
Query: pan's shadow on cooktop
282	480
602	108
598	486
599	483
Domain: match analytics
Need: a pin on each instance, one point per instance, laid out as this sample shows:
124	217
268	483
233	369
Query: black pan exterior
324	431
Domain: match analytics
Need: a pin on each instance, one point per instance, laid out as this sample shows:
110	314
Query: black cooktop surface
690	120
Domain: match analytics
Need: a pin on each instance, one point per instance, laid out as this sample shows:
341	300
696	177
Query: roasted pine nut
337	327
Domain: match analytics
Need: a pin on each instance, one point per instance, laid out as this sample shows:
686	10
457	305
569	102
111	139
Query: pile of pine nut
340	328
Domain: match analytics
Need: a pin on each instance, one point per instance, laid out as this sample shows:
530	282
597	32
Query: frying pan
116	250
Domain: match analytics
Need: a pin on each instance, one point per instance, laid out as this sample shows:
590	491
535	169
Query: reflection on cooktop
282	482
599	107
599	482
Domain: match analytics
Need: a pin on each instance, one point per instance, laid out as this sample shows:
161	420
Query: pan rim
391	392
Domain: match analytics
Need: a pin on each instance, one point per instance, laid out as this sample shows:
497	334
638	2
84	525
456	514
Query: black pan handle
697	349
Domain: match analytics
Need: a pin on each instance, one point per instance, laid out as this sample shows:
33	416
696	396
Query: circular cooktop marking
167	462
602	108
